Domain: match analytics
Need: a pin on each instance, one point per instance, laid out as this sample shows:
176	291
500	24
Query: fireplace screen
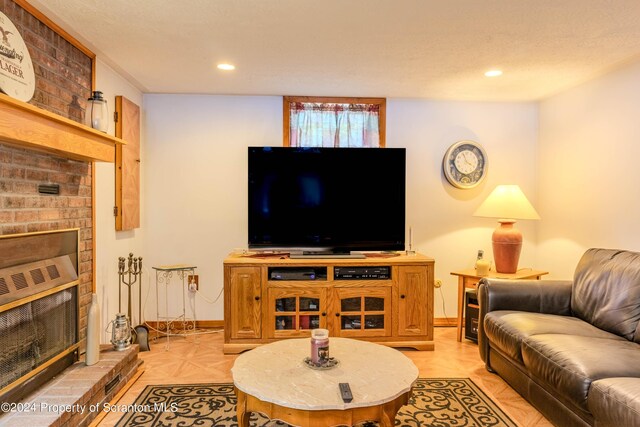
38	308
35	332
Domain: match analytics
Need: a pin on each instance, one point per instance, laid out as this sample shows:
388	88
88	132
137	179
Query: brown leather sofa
571	348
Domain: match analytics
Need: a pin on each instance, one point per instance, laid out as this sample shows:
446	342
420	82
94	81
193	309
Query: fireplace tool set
128	277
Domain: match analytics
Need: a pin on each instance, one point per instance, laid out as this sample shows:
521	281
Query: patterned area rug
439	402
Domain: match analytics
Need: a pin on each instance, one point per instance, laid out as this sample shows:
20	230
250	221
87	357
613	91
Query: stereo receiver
362	272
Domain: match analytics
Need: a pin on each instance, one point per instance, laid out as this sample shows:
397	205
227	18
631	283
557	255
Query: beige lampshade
507	201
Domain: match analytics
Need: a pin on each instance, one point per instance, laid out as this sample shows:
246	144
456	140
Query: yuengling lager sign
17	78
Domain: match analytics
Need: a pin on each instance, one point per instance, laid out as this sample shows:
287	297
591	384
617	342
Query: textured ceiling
411	48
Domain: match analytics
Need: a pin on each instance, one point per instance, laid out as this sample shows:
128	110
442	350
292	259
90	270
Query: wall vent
19	281
37	276
111	384
49	189
53	271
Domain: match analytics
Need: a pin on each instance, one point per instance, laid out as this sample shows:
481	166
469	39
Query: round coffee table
273	380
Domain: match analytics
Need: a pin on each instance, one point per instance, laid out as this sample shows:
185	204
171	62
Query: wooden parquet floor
200	359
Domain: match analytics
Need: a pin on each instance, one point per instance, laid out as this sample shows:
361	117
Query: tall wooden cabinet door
127	165
244	302
414	307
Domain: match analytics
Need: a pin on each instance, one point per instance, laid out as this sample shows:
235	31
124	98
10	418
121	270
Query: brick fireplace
23	209
46	184
27	179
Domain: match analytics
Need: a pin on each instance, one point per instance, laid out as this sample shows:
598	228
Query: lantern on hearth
120	332
97	112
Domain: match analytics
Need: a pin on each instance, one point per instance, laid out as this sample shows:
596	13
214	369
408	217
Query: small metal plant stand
166	323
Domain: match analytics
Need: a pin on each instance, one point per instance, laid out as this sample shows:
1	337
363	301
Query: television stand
326	255
387	300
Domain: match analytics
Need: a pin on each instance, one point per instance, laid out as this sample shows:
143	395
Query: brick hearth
66	400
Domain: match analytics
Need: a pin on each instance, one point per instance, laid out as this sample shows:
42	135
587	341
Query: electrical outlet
193	282
437	284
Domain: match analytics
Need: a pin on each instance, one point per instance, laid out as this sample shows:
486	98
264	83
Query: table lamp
508	203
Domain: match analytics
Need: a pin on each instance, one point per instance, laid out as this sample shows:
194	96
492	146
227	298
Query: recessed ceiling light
493	73
226	67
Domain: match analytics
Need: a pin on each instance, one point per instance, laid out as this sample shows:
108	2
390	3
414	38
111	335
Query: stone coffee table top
276	373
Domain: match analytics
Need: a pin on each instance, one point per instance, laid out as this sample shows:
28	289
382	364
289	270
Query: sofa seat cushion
568	364
508	329
615	402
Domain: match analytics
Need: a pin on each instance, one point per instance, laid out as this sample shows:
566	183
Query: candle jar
319	346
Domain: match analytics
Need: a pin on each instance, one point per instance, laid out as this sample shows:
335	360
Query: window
333	122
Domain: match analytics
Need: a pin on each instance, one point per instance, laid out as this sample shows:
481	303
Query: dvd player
292	274
362	272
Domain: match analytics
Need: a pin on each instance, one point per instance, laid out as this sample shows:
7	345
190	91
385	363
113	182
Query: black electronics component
345	392
362	272
297	273
472	311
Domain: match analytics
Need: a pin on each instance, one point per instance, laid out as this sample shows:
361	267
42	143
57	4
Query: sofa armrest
537	296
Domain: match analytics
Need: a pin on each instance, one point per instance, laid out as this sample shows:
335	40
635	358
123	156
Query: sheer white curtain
334	125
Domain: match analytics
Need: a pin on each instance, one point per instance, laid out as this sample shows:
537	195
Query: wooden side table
469	279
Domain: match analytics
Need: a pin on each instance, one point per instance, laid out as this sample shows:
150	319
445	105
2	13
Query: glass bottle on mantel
482	265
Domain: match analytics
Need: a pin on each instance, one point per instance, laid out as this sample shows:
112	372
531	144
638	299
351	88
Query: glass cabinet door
363	313
294	312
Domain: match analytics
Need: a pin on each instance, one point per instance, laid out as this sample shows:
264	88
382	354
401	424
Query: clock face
465	164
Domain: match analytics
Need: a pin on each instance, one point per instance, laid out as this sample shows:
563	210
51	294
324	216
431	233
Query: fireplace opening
39	309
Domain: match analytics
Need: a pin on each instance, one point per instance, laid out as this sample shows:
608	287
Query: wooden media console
271	297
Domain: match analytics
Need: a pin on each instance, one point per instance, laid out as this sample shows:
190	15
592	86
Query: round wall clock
465	164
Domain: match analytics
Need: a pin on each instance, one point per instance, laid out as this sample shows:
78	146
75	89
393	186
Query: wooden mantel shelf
25	125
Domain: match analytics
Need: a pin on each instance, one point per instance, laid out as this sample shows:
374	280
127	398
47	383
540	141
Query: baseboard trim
444	321
219	324
200	324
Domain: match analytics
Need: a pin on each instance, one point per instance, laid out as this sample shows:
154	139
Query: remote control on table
345	392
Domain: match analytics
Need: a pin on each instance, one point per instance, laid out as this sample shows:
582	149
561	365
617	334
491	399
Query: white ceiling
389	48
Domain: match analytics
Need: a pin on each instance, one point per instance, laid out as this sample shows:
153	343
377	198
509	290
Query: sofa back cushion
606	291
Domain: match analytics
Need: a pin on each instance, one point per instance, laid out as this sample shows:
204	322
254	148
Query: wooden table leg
460	307
388	416
390	409
241	409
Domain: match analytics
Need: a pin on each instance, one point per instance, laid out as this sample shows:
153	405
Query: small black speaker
472	312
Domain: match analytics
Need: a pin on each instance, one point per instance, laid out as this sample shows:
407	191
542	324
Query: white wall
442	216
111	244
196	192
588	155
196	189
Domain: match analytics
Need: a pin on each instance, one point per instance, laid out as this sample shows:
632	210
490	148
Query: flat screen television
334	200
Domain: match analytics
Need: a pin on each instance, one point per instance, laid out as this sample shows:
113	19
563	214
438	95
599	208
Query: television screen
327	199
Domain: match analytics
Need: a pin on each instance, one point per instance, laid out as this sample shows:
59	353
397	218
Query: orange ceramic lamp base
507	243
